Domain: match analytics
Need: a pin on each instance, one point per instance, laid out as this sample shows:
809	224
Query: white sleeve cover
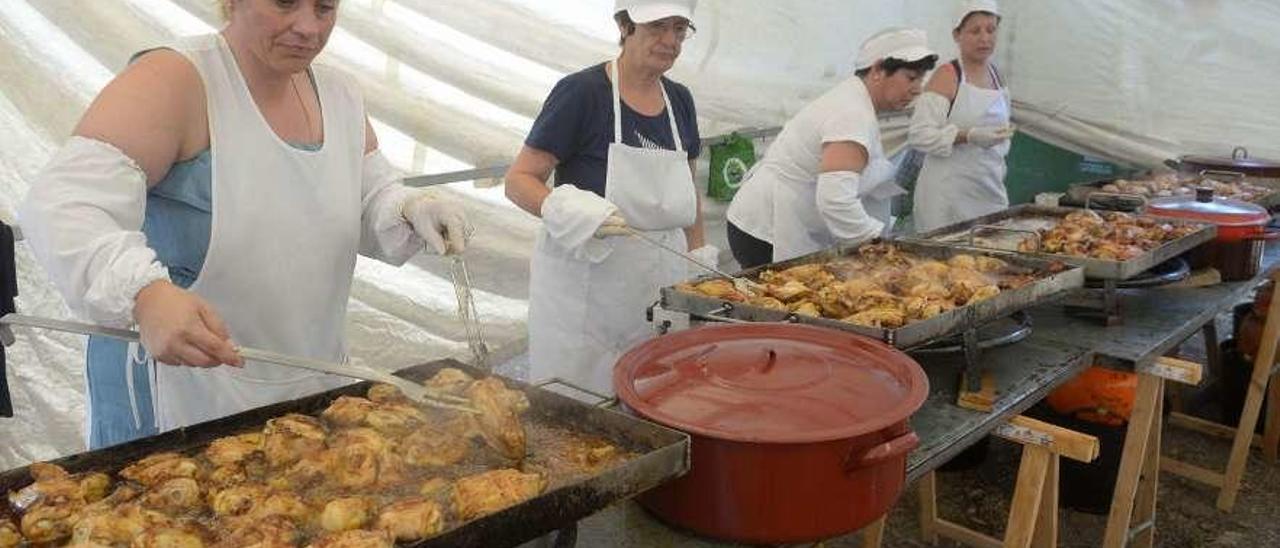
930	132
841	207
385	233
83	220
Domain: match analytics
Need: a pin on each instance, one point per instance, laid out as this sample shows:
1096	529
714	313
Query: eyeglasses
683	30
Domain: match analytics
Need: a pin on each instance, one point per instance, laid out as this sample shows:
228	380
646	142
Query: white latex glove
988	136
437	221
613	225
708	255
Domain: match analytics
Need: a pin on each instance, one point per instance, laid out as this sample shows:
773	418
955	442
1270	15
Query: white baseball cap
970	6
644	11
899	43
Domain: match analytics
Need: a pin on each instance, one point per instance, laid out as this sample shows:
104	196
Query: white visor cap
644	11
906	44
970	6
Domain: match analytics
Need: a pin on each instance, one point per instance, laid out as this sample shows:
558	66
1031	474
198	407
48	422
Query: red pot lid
771	383
1205	207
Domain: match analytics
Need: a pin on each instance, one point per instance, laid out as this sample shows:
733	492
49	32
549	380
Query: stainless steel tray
1029	217
908	336
1079	193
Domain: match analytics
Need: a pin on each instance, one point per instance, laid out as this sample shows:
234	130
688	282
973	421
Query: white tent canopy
454	84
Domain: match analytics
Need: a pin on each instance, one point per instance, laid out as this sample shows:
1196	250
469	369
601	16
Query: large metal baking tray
1057	277
1030	217
663	454
1078	194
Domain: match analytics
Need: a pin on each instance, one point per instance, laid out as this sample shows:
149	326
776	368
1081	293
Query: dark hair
628	26
891	65
966	17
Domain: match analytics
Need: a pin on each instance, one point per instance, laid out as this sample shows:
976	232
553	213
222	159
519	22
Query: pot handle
1267	235
877	454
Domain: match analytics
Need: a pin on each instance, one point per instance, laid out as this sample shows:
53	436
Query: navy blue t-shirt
576	126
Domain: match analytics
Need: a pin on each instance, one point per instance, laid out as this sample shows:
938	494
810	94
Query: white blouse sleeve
83	220
930	132
385	233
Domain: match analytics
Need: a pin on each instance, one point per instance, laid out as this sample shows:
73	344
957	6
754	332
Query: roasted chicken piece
386	393
807	308
767	302
813	275
347	411
54	486
983	293
923	308
160	467
9	535
226	476
119	525
174	495
233	449
450	380
411	519
963	261
287	439
835	300
309	471
347	513
47	523
789	291
238	500
395	418
885	317
931	270
284	504
358	538
499	418
175	536
361	457
593	454
269	532
719	288
431	447
488	492
928	290
989	265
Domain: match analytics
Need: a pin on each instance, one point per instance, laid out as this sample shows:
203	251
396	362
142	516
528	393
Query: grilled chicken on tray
1109	236
367	471
879	286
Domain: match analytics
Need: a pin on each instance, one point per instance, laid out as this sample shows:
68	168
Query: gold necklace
306	115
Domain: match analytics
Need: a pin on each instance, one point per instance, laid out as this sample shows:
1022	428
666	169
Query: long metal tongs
412	390
743	285
467	313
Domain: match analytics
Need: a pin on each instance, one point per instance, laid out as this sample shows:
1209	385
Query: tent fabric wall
454	84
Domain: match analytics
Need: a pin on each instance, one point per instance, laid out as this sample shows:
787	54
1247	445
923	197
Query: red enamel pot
799	432
1236	252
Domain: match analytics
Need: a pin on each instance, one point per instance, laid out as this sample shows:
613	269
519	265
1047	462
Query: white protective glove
572	216
613	225
988	136
708	255
841	208
437	221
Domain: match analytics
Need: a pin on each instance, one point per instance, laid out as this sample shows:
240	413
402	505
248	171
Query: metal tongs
412	390
743	285
467	313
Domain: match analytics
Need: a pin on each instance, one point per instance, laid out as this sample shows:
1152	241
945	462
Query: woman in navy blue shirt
622	140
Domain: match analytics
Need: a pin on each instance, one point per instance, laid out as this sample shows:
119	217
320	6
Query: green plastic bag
730	162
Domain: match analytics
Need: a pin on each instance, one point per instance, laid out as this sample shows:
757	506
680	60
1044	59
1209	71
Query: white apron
583	315
283	243
970	182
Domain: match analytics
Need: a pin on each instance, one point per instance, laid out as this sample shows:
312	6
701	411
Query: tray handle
997	228
1204	173
1088	201
1239	153
604	402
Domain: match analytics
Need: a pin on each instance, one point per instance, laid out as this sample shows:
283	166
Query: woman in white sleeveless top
297	188
962	124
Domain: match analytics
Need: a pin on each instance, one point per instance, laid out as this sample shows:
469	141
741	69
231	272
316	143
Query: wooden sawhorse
1033	513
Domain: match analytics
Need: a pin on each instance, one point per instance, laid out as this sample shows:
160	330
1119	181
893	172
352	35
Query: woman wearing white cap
962	124
621	139
825	180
